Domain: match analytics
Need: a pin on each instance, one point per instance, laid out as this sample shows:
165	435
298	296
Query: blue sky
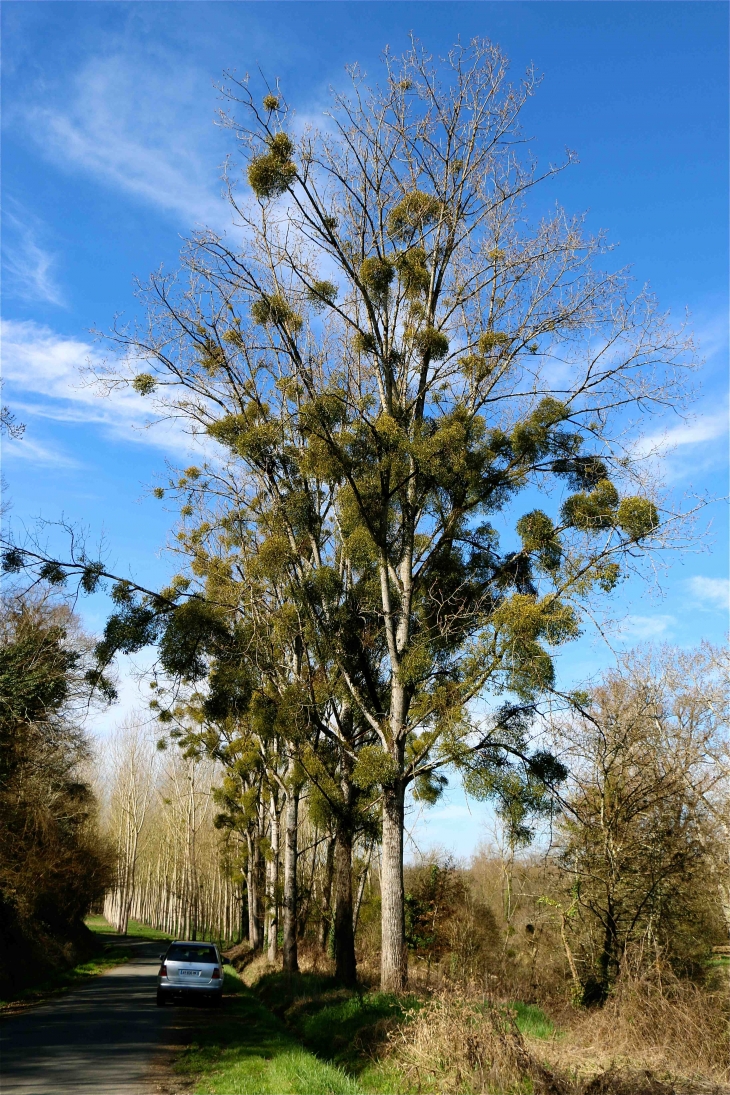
111	155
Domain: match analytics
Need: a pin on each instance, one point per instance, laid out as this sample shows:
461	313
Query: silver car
190	969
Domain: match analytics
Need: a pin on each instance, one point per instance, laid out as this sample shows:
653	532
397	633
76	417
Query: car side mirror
227	962
161	957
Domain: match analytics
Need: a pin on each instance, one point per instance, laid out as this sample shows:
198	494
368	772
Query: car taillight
216	973
163	971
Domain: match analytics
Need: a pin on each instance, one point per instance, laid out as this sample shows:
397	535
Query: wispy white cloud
144	130
29	269
706	427
692	449
698	429
41	370
711	334
28	449
710	592
647	627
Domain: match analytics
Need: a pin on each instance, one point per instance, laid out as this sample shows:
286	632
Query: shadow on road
107	1036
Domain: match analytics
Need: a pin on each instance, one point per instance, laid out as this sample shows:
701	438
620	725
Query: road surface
107	1037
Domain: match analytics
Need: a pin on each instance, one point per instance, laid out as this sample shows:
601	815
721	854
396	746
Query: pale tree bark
394	956
133	778
272	876
361	890
291	963
253	867
325	923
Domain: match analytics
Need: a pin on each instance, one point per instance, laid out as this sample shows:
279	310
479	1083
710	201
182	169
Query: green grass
532	1020
337	1024
302	1034
246	1050
100	926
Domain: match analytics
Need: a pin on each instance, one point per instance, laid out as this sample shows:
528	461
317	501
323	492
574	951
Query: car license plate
189	973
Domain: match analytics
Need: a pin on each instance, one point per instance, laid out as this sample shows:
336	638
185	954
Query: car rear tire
161	999
216	1000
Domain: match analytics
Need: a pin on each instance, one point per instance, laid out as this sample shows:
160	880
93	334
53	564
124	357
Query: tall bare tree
132	770
390	354
640	836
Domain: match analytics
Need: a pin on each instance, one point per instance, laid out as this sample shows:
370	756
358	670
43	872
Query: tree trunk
272	873
326	921
290	876
344	937
394	957
252	881
608	961
361	891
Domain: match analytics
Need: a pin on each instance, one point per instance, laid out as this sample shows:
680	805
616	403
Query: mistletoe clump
376	275
594	511
144	384
637	517
272	173
432	344
275	311
321	293
416	211
414	275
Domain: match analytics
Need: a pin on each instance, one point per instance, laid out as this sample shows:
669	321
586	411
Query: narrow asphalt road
107	1037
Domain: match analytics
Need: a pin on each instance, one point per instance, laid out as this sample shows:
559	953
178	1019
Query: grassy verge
344	1028
101	927
302	1033
247	1050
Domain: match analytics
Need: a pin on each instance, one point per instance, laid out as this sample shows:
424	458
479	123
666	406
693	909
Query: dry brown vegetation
53	864
642	1041
657	1032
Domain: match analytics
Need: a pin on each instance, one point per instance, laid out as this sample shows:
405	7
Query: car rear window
181	952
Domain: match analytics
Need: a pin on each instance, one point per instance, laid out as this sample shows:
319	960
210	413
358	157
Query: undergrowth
62	980
303	1033
247	1050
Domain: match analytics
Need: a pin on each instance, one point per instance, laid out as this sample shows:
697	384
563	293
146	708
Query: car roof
193	943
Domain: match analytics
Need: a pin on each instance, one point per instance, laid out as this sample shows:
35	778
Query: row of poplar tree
181	871
636	870
418	406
